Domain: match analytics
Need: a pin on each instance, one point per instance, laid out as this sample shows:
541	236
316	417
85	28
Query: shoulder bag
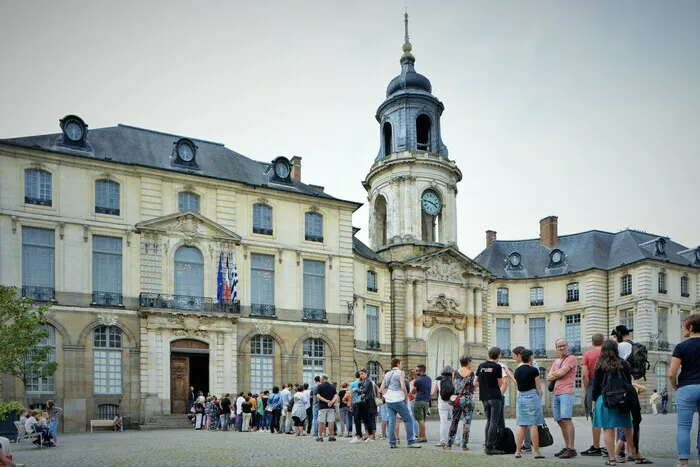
455	402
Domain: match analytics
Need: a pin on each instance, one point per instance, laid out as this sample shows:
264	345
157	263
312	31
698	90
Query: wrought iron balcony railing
259	309
314	314
373	345
536	302
575	348
314	238
39	293
38	201
103	210
187	302
262	230
542	353
664	345
505	353
106	298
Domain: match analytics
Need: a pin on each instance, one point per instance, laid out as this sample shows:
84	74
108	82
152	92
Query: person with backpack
612	397
461	401
444	388
529	406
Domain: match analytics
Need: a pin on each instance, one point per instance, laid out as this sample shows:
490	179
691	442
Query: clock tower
412	185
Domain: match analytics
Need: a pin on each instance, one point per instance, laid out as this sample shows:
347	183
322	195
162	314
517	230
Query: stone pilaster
410	316
468	294
478	327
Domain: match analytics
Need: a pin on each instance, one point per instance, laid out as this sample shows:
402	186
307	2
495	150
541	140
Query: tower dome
409	78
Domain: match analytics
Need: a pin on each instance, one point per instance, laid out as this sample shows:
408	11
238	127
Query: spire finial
407	47
405	20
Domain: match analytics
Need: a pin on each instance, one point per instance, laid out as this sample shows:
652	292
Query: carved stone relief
108	320
263	328
443	304
444	268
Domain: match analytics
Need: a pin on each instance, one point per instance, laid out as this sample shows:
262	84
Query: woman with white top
444	407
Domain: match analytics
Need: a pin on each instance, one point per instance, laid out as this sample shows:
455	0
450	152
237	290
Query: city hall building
126	231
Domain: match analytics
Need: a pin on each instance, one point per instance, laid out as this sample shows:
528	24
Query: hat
621	330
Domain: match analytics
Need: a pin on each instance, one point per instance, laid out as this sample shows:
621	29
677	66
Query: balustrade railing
187	302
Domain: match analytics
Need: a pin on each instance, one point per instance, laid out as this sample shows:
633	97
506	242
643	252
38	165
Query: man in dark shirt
327	396
225	411
490	376
422	386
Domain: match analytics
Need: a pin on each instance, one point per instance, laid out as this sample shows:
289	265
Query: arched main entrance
189	366
443	349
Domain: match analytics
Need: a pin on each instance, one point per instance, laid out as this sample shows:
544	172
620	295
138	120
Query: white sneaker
354	440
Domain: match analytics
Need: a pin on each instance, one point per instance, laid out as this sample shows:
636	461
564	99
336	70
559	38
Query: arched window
380	222
314	361
262	219
189	277
423	125
107	197
661	375
107	411
386	131
662	283
107	360
314	227
262	363
373	370
187	201
684	287
45	384
37	187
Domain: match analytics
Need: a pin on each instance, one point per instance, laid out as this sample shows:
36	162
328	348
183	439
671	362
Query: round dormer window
514	259
660	246
74	130
556	256
697	254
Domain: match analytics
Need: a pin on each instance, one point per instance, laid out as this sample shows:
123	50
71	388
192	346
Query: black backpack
638	360
618	393
447	388
506	441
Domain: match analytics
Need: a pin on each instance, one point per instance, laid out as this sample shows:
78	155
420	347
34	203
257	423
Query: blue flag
220	282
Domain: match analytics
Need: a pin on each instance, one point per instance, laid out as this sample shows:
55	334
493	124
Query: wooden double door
189	366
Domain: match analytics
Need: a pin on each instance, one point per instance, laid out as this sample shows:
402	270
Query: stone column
479	316
469	300
228	383
410	321
418	310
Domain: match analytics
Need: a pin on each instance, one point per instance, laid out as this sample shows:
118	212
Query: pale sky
585	110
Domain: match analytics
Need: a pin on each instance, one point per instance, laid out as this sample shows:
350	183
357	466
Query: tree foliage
21	352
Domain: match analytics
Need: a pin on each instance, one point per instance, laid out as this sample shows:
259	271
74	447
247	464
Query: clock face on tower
430	202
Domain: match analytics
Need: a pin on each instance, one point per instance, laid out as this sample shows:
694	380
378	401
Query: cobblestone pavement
188	447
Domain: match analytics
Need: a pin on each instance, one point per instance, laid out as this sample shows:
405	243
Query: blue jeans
267	420
372	422
344	415
349	419
402	409
314	411
53	424
493	410
687	399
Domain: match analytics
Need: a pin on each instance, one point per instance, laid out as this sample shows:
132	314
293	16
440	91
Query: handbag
377	400
455	402
545	436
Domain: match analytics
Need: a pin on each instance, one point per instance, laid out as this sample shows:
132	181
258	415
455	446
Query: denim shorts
563	406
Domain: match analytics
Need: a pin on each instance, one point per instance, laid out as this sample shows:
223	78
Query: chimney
490	237
296	168
549	234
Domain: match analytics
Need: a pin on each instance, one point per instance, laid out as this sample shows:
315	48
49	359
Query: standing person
590	359
686	357
464	386
54	412
247	408
612	373
353	398
624	343
286	398
267	414
299	411
260	413
190	399
314	404
664	401
517	357
444	388
563	373
199	410
529	405
343	407
254	412
412	399
239	411
276	403
307	406
490	377
653	400
395	395
327	397
421	387
362	406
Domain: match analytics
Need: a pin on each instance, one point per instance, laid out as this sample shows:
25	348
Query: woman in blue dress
529	404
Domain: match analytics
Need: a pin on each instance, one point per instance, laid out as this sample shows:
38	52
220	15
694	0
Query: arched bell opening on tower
423	124
380	221
386	132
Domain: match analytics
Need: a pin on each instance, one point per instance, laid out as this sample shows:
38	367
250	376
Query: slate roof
134	146
593	249
365	251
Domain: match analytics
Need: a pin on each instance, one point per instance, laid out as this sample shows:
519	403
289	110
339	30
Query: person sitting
32	425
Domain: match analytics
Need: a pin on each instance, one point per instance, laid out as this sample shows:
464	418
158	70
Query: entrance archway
443	349
189	366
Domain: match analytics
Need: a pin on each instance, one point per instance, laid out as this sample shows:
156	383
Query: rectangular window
662	283
626	285
627	318
502	296
662	327
503	335
572	292
537	296
106	270
314	227
578	386
684	287
187	201
38	263
108	371
573	333
262	285
371	281
314	290
262	219
372	327
107	197
37	187
46	384
537	336
261	372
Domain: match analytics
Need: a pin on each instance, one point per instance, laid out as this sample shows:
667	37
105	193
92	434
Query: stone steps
166	422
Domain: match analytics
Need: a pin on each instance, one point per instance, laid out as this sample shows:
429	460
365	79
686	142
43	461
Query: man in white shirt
622	334
239	412
285	397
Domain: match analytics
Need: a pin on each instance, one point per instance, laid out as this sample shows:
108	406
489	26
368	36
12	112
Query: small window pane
537	335
314	227
37	187
107	197
262	219
572	292
503	334
502	296
107	411
37	259
371	281
313	359
314	285
684	287
46	384
662	283
188	201
262	285
537	296
626	285
573	332
372	326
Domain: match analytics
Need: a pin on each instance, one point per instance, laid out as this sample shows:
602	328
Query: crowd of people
610	374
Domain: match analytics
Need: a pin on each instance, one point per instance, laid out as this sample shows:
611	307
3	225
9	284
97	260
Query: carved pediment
190	225
449	265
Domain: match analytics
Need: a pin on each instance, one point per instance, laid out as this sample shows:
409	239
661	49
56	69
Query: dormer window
74	130
556	257
514	260
185	152
660	247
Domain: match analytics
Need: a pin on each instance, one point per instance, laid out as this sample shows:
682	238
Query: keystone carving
443	304
108	320
263	328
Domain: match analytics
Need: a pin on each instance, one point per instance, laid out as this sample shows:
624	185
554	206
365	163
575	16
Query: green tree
22	356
